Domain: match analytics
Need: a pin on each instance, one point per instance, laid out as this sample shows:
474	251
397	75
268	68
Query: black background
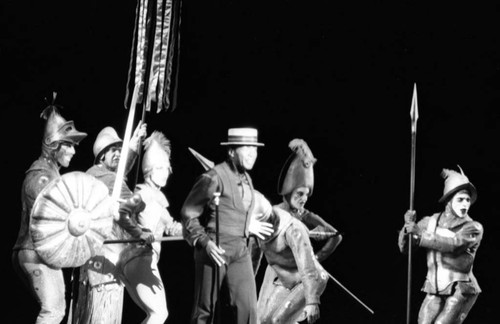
337	74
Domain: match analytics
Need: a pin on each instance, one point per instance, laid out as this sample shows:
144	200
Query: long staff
120	172
351	294
160	239
217	269
414	118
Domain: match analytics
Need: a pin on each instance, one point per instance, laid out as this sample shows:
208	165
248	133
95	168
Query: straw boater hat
242	136
454	182
106	138
298	168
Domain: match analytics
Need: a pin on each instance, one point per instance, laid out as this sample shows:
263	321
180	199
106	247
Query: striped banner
154	59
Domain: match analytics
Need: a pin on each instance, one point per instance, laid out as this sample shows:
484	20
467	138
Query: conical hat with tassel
454	182
298	169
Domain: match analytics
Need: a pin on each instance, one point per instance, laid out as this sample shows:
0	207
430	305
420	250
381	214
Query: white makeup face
159	175
299	197
65	153
460	203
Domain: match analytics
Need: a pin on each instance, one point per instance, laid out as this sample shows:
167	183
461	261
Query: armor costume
138	265
100	292
451	243
299	279
45	282
297	172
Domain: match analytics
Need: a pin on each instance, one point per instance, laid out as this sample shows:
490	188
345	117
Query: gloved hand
410	216
215	252
127	215
147	236
412	228
174	230
139	135
311	313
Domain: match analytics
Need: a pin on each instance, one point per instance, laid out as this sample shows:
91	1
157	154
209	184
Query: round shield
71	219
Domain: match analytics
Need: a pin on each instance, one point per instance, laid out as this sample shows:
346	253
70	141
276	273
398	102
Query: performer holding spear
451	239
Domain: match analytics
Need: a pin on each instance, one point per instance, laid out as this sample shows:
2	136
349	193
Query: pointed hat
454	182
298	168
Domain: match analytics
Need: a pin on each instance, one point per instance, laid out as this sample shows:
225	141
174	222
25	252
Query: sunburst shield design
70	220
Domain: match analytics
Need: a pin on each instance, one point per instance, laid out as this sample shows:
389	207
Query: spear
414	118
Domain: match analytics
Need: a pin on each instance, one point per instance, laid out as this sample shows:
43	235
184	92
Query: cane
217	270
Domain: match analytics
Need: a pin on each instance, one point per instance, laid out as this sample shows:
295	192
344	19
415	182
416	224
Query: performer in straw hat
451	239
231	257
100	293
45	282
139	262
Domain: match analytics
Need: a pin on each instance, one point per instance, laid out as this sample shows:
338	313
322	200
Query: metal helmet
106	138
454	182
298	169
57	129
156	152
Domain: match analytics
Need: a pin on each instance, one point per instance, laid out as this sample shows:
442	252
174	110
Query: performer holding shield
100	293
45	281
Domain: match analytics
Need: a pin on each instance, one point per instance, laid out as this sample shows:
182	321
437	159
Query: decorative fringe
155	54
99	305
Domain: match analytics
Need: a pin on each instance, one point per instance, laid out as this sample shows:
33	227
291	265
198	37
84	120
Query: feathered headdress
298	168
454	182
157	150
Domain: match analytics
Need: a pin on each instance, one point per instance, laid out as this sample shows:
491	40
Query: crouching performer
300	279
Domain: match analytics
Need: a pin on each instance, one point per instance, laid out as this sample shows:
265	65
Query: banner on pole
154	58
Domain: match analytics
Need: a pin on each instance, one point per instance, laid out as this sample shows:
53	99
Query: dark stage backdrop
337	74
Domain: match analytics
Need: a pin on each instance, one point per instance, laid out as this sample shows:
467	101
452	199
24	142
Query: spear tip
414	104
